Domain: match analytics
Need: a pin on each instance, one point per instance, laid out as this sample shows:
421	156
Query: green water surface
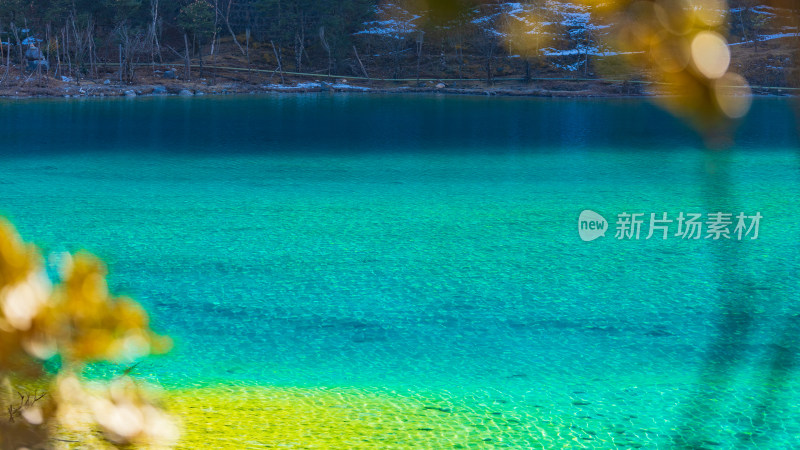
430	245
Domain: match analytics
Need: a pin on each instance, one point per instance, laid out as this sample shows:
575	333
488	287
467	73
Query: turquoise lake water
430	245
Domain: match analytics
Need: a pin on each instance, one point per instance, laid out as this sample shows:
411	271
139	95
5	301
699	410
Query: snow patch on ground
769	37
551	19
570	67
347	87
304	85
581	50
396	22
308	85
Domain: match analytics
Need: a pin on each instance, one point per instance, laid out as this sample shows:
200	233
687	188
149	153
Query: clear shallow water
428	245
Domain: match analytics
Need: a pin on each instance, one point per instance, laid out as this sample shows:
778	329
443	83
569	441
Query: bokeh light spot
710	54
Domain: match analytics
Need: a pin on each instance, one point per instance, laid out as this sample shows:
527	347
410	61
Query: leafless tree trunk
456	41
442	58
128	48
247	43
2	55
300	43
8	60
15	31
278	58
91	48
8	64
741	24
187	72
228	25
363	69
326	47
491	44
49	46
197	45
420	40
58	57
84	46
214	44
66	50
78	49
396	47
152	34
59	44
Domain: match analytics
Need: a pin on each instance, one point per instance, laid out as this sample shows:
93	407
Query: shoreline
89	89
548	89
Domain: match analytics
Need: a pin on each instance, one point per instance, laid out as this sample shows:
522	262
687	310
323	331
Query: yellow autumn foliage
81	322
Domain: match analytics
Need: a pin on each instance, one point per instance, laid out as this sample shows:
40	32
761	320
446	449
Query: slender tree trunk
396	54
247	53
214	42
67	50
363	69
78	50
442	60
300	43
187	72
278	58
326	47
2	55
420	40
527	69
58	58
460	55
2	52
230	30
741	24
21	52
200	55
8	64
152	33
489	60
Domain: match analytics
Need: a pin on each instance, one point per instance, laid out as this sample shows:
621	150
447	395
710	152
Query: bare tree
278	58
83	40
8	63
187	74
152	34
214	39
363	69
15	31
420	39
247	54
300	42
130	44
65	41
227	16
326	47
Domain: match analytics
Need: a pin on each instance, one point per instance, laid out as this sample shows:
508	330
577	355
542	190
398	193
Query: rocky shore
68	88
47	87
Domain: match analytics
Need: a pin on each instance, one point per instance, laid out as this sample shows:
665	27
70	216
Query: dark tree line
456	39
74	36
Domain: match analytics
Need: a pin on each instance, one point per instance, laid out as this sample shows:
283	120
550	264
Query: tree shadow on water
722	409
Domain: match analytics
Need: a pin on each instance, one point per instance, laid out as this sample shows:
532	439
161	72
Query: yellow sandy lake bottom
241	417
272	417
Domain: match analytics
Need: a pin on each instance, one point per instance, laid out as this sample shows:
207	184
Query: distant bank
539	87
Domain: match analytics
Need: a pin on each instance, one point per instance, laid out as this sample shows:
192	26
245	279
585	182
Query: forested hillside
403	39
